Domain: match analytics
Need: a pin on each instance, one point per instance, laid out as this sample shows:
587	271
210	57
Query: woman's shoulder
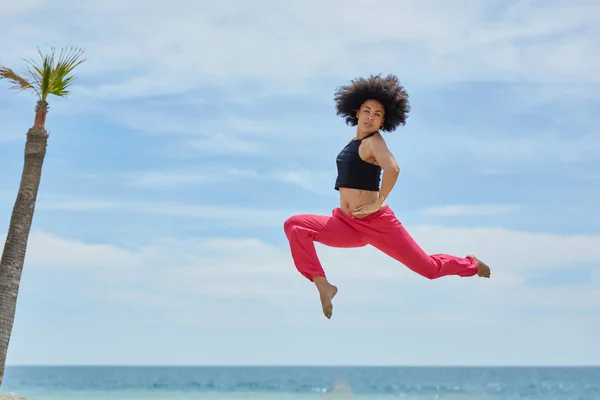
375	137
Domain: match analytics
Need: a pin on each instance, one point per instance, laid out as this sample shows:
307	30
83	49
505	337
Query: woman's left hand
367	209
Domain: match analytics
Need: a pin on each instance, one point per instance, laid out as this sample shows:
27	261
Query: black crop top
354	172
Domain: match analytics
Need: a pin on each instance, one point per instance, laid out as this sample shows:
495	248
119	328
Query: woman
363	218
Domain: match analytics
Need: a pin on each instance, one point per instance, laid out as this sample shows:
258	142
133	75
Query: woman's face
370	116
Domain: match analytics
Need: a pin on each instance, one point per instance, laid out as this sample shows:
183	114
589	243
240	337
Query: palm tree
51	76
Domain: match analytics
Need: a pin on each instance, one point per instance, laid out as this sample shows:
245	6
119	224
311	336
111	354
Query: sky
194	130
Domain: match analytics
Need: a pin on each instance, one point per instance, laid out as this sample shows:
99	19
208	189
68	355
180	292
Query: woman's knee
292	223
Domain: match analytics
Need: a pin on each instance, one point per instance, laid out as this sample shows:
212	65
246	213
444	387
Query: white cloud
162	179
470	209
169	273
230	284
78	205
232	216
215	133
51	251
174	49
229	144
512	250
313	181
563	147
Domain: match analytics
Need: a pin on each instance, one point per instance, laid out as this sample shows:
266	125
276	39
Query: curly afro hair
386	90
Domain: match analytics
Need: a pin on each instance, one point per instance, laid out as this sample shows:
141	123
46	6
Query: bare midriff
352	198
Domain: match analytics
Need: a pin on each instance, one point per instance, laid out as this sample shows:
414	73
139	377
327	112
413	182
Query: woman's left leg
386	233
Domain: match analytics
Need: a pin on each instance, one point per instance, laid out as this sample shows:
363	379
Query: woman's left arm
388	164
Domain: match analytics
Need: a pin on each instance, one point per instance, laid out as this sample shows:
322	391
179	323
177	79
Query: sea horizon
370	382
315	365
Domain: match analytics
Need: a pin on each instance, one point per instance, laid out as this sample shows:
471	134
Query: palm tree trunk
13	256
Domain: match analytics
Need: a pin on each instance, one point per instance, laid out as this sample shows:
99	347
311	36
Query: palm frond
51	76
19	83
67	62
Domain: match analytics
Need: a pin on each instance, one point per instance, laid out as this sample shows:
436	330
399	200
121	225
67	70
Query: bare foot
326	296
483	270
327	292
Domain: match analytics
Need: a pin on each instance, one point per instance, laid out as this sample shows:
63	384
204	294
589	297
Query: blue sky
193	132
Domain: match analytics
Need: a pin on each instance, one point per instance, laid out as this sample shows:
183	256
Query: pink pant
381	230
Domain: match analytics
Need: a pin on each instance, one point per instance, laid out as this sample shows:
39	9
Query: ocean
303	383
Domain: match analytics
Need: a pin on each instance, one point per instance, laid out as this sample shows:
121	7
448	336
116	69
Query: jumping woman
363	218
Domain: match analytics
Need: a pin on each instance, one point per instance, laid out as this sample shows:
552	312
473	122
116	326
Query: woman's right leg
304	230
